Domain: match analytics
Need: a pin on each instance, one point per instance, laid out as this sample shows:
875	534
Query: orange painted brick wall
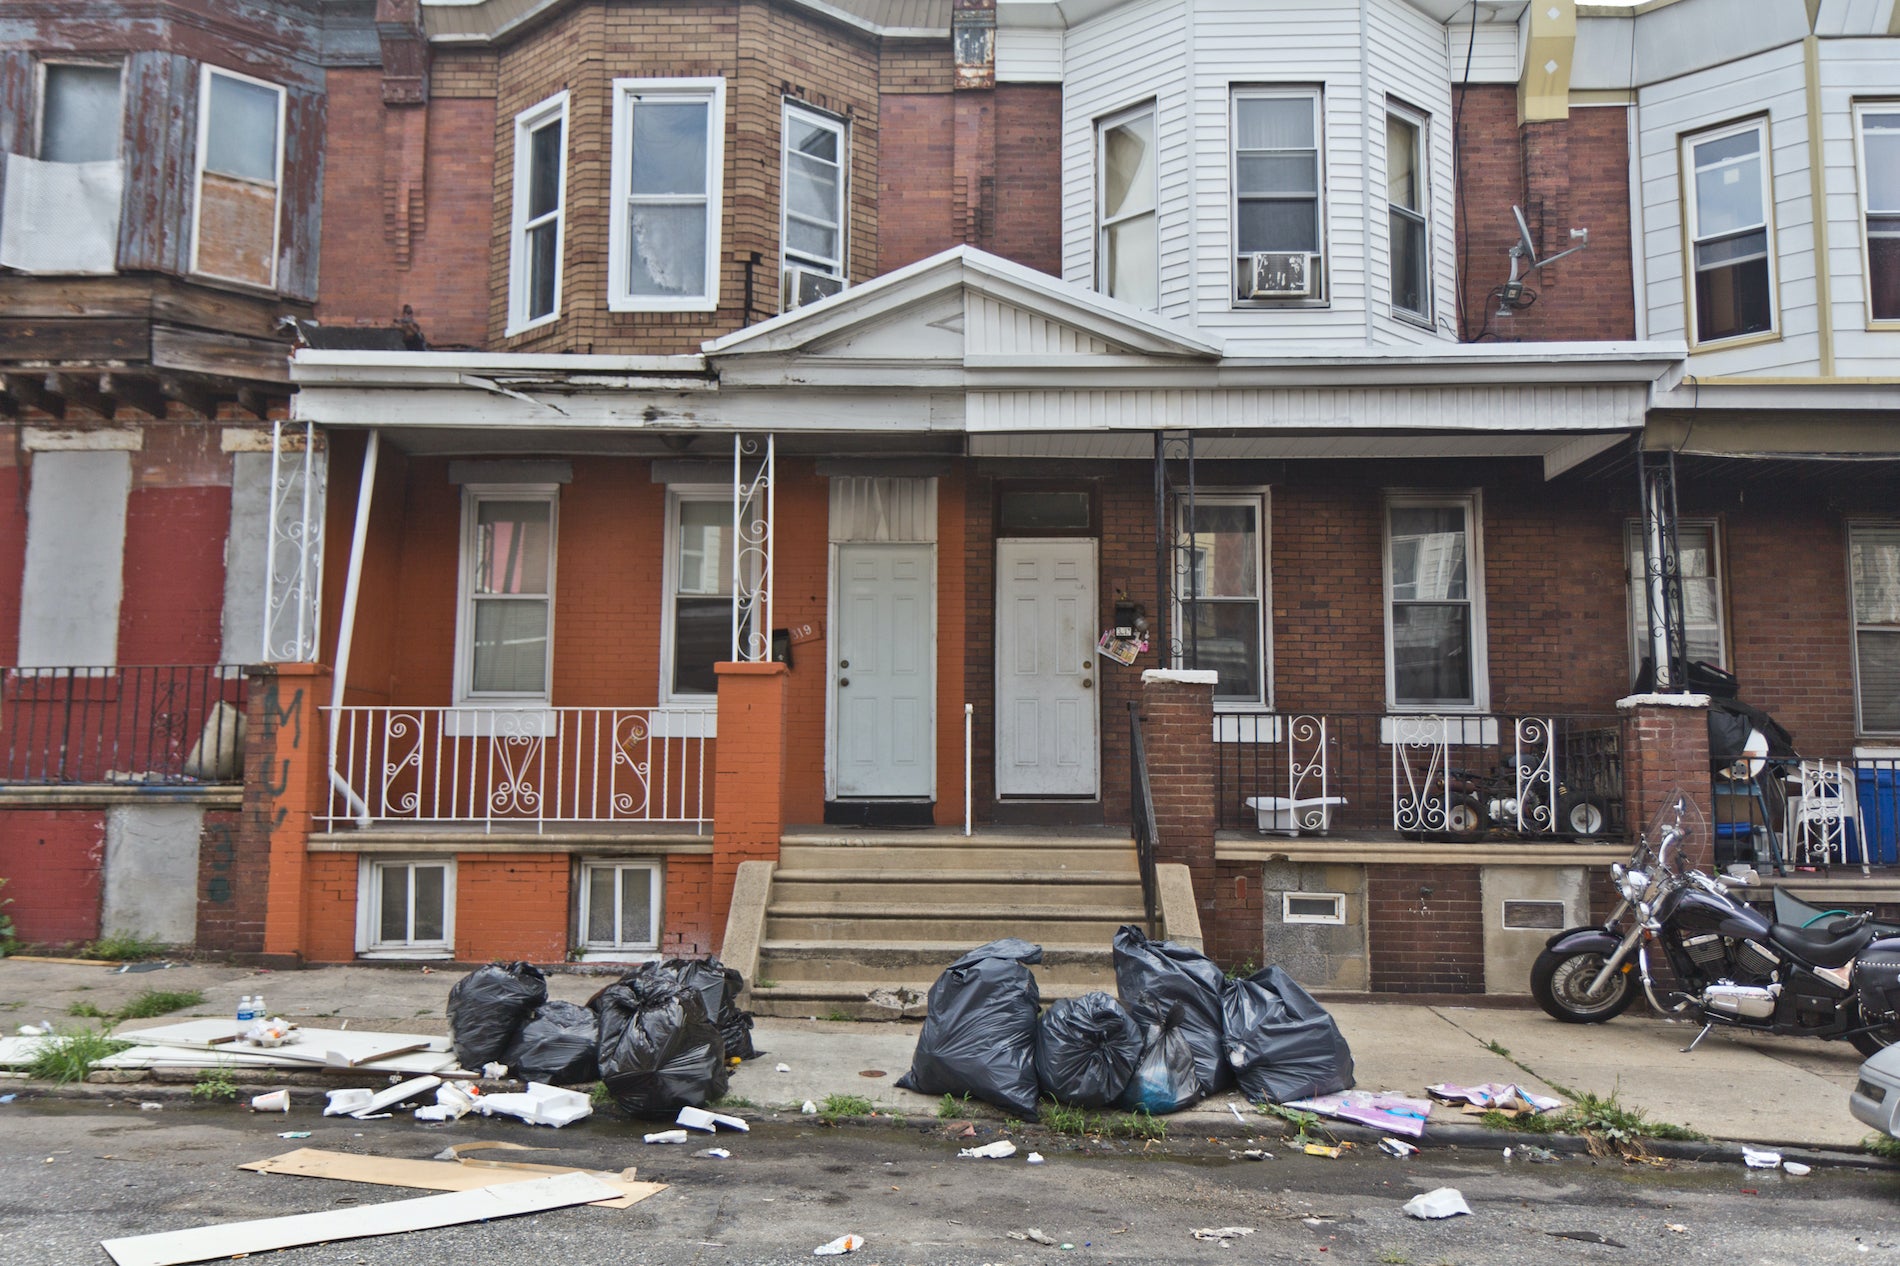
511	905
689	928
751	773
330	908
801	566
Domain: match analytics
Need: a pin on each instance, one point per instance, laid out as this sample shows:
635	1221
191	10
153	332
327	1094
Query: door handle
1085	663
1087	684
844	681
844	663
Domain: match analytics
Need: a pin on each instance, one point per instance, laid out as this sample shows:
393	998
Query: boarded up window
240	171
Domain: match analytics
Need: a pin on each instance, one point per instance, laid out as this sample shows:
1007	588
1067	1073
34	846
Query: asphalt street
73	1173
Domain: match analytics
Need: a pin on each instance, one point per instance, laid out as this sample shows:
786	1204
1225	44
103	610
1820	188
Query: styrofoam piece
539	1104
402	1092
700	1119
1442	1202
1760	1157
990	1151
349	1100
271	1101
234	1239
451	1104
668	1136
18	1052
1796	1168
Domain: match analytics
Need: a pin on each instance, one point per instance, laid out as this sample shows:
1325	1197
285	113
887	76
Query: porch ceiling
1559	452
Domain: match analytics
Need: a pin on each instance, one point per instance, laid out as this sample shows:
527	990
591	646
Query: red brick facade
1426	927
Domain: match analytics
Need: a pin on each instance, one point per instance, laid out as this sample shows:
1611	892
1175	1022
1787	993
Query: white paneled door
883	672
1046	718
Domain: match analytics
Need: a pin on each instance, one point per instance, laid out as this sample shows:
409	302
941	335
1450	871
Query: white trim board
233	1239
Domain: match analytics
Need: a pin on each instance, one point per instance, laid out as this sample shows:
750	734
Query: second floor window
1732	291
1128	248
663	240
812	200
1405	203
1278	174
1880	195
240	170
534	283
79	114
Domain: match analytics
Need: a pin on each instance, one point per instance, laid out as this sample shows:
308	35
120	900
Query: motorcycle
1809	972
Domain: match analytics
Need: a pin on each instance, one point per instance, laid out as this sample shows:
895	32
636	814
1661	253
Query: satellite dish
1526	247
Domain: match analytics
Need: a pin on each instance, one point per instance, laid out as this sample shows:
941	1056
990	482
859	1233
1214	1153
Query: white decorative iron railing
516	767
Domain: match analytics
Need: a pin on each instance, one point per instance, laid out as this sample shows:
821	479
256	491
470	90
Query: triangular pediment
967	307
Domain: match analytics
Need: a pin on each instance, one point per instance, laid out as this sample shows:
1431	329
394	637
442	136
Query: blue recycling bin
1879	787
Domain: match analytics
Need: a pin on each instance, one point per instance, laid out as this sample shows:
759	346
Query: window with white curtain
663	238
507	609
620	907
1698	561
1128	245
1874	566
1435	640
1279	170
1406	213
1731	232
1879	128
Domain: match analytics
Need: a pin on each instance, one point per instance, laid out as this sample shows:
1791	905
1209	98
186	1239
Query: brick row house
865	456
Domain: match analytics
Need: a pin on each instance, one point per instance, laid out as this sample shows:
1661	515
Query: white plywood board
332	1047
198	1244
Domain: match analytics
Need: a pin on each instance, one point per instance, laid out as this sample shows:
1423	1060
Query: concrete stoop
859	925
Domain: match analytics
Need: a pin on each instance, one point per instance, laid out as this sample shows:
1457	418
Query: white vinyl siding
1874	577
540	199
667	176
1405	53
1854	72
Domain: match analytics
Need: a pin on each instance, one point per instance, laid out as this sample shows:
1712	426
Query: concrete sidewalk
1758	1090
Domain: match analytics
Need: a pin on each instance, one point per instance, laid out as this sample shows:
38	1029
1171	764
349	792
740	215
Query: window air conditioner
1280	275
805	286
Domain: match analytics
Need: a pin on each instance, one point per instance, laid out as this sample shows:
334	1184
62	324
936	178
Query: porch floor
1391	847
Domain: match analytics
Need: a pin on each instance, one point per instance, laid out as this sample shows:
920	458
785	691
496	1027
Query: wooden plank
33	296
159	141
222	355
431	1175
232	1239
211	307
74	339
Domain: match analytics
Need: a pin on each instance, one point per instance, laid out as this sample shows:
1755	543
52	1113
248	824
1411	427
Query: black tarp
979	1037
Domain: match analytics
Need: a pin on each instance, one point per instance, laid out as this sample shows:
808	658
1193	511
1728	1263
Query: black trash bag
659	1051
1166	1077
1281	1044
1086	1050
556	1046
1152	976
979	1037
488	1006
718	986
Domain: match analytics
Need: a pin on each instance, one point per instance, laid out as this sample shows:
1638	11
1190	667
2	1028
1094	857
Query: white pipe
347	631
969	717
270	535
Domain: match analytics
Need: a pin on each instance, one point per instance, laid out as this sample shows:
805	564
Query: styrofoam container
1286	816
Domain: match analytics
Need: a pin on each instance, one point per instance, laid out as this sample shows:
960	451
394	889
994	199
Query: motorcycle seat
1822	948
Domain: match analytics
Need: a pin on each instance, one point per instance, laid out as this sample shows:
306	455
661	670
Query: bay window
234	226
1731	232
1278	173
1406	213
1879	129
663	237
1128	246
534	279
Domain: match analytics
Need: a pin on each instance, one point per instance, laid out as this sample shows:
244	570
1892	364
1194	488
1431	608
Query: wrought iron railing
522	767
1460	776
1142	811
175	725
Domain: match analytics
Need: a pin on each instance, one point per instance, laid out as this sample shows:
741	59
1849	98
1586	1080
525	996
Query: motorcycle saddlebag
1877	975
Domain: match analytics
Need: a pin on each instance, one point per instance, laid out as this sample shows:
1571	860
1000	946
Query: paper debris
1222	1232
990	1151
1382	1110
1255	1154
1321	1149
1502	1096
1035	1158
1445	1202
1033	1236
713	1153
294	1134
1678	1228
149	1105
840	1246
494	1072
1760	1158
809	1108
783	1068
1399	1147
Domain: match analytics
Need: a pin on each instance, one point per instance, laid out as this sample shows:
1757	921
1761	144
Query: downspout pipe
365	492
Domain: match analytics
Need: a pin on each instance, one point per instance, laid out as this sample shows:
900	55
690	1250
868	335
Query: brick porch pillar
749	775
1666	750
286	771
1177	729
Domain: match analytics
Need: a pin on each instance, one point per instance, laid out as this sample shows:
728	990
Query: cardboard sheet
429	1175
233	1239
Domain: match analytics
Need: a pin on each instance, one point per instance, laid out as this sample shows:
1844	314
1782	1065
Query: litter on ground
1035	1158
1760	1158
1444	1202
1382	1110
990	1151
451	1171
1796	1168
713	1153
1491	1096
840	1246
1220	1233
700	1119
538	1105
1398	1147
667	1136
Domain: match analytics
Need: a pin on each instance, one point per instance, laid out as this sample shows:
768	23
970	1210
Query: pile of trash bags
662	1037
1179	1031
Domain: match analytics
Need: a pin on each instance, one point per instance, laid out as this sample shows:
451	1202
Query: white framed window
668	167
234	224
405	907
1127	235
1407	205
1279	179
813	195
1730	218
1313	907
620	908
1699	560
534	275
1223	626
80	112
505	627
696	622
1434	610
1874	574
1877	129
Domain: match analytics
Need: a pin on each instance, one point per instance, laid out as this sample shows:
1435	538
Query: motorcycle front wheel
1561	985
1876	1041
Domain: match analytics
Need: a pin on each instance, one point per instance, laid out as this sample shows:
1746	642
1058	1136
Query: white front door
1045	669
883	673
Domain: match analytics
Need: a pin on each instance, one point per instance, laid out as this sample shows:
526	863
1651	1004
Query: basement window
240	174
405	909
619	909
1313	907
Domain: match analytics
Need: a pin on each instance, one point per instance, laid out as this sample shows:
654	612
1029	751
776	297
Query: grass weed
1882	1145
70	1056
121	948
154	1002
837	1108
1140	1124
950	1107
86	1011
215	1085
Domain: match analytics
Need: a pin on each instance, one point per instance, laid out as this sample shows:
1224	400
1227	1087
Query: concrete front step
808	961
902	927
973	880
954	895
884	1000
939	858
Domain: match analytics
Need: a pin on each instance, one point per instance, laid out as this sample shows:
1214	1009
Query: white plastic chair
1819	814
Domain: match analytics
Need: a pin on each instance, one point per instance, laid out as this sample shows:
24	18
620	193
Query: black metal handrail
177	725
1142	810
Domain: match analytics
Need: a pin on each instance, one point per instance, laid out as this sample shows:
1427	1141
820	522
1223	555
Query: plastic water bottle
258	1012
246	1012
